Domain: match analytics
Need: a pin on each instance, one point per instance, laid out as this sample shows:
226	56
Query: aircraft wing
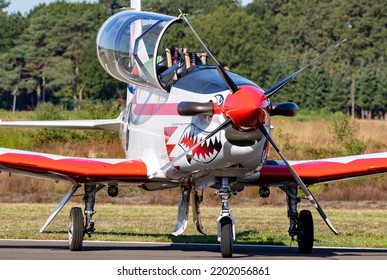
112	124
324	170
73	169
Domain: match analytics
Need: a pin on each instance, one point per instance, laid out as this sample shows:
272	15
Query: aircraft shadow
207	239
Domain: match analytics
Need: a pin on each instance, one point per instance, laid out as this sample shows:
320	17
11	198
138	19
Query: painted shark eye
219	99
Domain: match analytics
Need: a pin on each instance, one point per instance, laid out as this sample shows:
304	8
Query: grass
317	139
154	223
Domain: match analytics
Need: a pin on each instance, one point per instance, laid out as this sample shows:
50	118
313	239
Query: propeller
247	107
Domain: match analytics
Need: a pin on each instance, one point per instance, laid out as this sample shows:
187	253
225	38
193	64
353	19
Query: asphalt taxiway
94	250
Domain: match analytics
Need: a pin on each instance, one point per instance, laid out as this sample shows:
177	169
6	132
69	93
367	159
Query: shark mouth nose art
204	153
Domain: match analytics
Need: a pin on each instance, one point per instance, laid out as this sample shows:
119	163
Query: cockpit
128	48
175	62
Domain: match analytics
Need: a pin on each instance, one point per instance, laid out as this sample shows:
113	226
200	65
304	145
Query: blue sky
24	6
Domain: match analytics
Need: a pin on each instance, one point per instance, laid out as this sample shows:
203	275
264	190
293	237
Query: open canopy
127	46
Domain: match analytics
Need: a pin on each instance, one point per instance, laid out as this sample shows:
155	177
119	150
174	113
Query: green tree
96	83
3	4
11	26
112	6
50	48
197	7
380	96
337	96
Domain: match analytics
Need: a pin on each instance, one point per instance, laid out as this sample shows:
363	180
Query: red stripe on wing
312	172
79	169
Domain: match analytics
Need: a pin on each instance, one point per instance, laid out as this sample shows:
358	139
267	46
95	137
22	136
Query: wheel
226	238
305	236
76	229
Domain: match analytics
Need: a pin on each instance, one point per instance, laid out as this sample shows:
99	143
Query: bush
90	110
48	112
98	110
344	130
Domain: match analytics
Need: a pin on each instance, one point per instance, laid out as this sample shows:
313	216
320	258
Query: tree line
49	55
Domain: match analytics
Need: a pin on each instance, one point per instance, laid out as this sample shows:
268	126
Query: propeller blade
233	87
300	183
176	159
283	82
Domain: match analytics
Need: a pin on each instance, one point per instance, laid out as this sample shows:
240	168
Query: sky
24	6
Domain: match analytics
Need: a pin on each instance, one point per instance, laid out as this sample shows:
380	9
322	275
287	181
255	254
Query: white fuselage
156	133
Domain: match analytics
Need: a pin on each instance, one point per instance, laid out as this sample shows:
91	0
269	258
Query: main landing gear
78	226
301	224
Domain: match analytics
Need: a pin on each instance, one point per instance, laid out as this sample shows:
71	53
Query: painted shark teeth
204	153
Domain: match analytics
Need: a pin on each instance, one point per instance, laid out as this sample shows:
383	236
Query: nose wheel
226	239
76	229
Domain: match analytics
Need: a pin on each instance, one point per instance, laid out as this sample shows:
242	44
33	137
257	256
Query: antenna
135	5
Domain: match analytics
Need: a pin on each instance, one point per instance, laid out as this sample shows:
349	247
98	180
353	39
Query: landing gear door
127	45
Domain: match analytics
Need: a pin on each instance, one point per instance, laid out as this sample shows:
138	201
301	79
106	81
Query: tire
305	237
226	239
76	229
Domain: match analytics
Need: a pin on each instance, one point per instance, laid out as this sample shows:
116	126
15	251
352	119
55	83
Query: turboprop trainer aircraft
188	124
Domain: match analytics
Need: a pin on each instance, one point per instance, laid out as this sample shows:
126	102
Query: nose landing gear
225	222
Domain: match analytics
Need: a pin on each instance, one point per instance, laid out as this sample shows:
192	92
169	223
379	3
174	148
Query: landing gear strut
225	222
78	227
301	225
89	198
182	211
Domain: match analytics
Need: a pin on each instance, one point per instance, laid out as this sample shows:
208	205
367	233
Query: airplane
188	124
